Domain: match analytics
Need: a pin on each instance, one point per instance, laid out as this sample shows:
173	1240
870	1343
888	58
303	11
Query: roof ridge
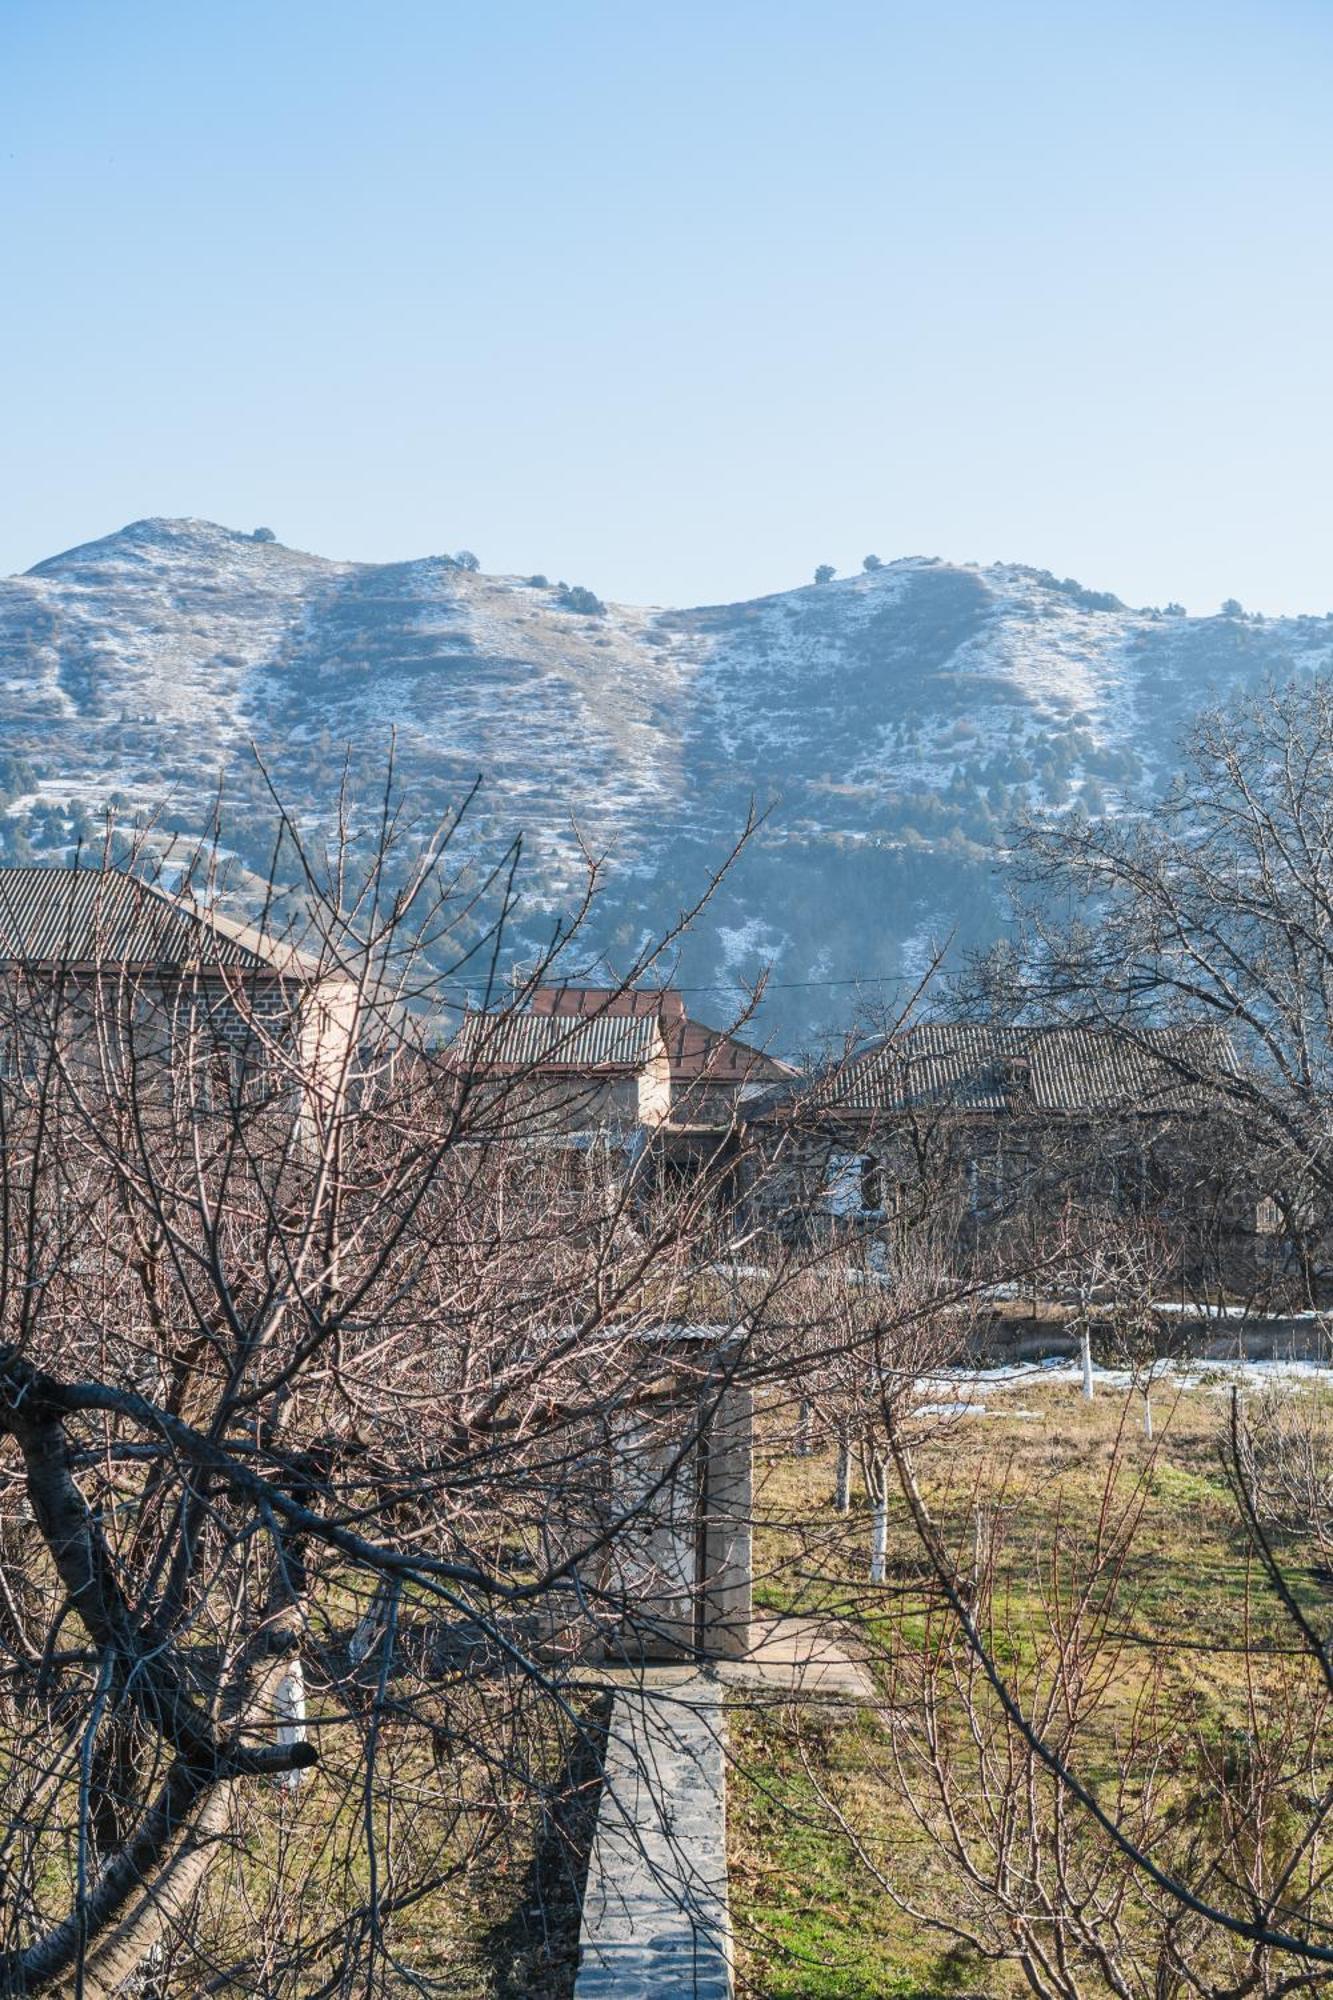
75	913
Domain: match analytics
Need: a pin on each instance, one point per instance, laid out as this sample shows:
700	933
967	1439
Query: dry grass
811	1920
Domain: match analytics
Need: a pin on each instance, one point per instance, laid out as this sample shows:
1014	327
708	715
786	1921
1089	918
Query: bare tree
1184	1868
1214	911
314	1343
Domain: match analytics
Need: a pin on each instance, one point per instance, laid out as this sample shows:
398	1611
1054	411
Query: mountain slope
890	724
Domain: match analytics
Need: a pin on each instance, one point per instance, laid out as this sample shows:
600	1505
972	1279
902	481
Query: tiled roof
1021	1071
697	1054
661	1001
558	1041
706	1055
99	916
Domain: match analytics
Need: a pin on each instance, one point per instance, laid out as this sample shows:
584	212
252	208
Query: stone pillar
683	1565
727	1583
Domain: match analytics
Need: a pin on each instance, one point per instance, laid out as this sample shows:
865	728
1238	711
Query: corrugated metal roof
86	916
984	1067
558	1041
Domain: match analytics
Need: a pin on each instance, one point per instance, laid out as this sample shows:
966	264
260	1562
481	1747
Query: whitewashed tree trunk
146	1983
842	1498
1147	1416
370	1630
805	1428
879	1528
1087	1363
289	1707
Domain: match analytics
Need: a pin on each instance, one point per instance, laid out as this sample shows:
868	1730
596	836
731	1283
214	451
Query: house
713	1076
971	1130
198	1000
569	1077
624	1069
712	1072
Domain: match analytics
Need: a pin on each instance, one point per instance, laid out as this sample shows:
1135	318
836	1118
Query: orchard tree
1196	1860
311	1356
1216	911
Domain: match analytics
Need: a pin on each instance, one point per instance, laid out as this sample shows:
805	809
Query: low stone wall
1186	1337
656	1923
1303	1339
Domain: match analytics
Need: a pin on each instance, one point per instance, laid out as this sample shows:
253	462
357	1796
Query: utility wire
717	985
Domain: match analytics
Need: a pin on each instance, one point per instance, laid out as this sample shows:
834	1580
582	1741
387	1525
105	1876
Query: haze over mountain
891	724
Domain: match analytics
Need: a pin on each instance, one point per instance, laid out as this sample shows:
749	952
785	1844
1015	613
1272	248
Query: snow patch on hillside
872	718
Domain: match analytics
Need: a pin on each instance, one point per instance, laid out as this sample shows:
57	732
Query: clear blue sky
679	300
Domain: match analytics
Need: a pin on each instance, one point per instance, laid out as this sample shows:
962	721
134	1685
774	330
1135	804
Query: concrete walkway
656	1922
804	1658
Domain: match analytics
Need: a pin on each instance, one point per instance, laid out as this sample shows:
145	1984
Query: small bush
16	775
573	597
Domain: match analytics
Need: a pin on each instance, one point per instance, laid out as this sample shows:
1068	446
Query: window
984	1179
18	1060
1137	1182
842	1183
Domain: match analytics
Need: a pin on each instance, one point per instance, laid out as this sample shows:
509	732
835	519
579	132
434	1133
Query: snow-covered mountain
890	724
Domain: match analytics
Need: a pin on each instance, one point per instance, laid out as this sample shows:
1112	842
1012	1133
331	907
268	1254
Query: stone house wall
984	1185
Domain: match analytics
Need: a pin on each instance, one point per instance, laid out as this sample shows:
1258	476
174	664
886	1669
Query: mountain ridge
890	724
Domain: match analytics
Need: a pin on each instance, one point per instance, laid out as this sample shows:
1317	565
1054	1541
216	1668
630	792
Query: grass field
1042	1469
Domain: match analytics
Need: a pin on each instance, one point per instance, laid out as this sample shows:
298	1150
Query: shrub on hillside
573	597
16	775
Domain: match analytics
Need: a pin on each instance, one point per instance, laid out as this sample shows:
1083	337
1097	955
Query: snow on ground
965	1392
1066	660
917	949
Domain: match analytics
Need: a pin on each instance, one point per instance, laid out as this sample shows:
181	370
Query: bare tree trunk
370	1630
842	1497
